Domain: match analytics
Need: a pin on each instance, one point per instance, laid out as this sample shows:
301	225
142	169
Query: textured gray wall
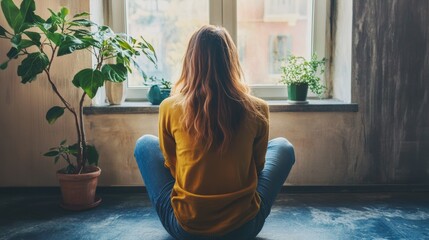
391	85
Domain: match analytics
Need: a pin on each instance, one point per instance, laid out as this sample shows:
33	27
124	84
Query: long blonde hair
215	96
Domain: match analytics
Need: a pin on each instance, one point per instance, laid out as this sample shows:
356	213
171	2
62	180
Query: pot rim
94	172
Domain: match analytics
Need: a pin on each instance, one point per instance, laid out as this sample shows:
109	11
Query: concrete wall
325	145
390	82
385	142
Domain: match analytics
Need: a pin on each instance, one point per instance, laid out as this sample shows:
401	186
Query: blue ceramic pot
157	94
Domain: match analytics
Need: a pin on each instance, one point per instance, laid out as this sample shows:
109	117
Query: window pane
268	31
168	25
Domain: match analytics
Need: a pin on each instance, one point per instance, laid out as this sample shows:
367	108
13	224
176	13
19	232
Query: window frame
224	13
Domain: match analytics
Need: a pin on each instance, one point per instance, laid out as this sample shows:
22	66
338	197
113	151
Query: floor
294	216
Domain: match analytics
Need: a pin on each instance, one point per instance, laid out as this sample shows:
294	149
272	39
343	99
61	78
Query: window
263	31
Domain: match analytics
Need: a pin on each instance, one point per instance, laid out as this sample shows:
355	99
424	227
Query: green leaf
13	53
56	38
74	149
34	36
92	155
3	31
48	26
82	32
64	12
54	113
148	45
151	56
53	13
53	21
63	142
12	14
82	14
124	44
139	69
31	66
53	28
3	66
25	26
25	43
27	9
104	29
19	23
38	19
90	41
114	72
82	23
56	159
15	40
51	154
70	44
90	80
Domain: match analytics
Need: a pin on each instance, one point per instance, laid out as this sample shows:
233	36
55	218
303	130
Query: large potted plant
37	43
299	74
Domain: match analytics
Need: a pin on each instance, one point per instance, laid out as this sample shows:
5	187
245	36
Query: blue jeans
159	183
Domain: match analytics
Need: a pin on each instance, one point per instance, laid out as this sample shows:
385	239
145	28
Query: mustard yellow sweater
213	193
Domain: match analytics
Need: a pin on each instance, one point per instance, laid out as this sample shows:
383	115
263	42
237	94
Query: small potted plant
299	74
37	43
160	89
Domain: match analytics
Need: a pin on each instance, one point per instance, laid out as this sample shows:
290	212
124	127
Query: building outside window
286	10
279	49
168	25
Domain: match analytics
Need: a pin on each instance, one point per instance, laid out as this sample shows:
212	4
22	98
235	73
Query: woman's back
214	192
213	139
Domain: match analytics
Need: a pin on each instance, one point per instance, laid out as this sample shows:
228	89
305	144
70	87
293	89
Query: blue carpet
294	216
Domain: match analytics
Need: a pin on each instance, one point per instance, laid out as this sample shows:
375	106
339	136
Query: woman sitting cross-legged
212	173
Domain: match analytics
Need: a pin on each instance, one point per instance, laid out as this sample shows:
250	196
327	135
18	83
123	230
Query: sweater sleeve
260	143
166	139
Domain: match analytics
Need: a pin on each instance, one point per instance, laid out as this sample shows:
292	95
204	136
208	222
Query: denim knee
144	143
286	149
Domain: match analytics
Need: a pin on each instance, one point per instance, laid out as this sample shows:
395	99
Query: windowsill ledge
324	105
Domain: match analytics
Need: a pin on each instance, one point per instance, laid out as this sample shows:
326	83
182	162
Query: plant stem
66	157
100	59
100	63
71	109
54	50
66	104
82	133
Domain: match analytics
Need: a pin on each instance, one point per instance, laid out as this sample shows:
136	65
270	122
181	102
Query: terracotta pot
78	190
